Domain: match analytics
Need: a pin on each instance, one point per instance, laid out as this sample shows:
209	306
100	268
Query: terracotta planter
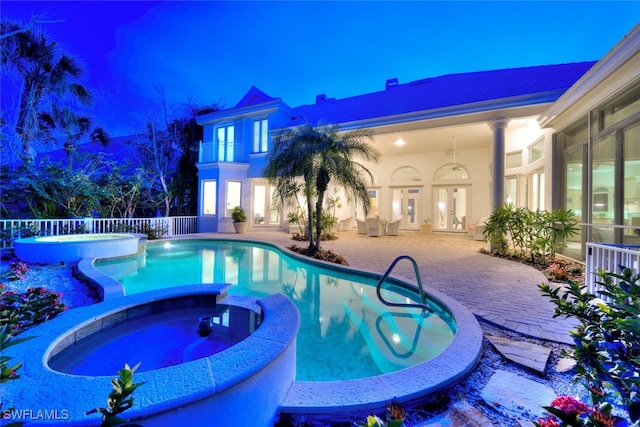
241	227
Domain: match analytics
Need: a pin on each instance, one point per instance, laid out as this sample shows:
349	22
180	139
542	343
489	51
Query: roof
450	90
254	97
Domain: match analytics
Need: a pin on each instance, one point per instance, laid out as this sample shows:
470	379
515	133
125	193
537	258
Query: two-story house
456	146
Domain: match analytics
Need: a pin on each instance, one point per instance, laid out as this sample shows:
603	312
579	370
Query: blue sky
208	51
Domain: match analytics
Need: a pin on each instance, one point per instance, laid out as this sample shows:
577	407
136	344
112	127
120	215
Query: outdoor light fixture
399	142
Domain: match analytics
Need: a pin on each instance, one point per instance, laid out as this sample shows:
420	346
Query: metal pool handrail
386	274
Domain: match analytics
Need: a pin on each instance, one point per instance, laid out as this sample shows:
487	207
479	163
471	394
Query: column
497	174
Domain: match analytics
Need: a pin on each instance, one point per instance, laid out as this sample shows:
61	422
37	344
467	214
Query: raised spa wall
74	247
243	385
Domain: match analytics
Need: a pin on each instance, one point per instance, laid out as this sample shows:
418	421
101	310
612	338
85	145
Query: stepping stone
565	364
459	415
530	356
513	395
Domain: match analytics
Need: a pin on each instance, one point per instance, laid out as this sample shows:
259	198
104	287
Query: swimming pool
346	333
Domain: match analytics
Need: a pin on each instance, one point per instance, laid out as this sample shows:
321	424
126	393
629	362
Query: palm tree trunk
319	219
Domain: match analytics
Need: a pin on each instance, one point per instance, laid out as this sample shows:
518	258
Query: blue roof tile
447	91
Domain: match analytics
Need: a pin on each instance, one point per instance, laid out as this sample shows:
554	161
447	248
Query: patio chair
362	226
375	227
392	227
346	224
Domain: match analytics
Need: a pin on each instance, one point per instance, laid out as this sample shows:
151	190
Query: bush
20	311
607	342
533	235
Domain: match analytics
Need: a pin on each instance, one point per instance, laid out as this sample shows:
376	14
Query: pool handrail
386	274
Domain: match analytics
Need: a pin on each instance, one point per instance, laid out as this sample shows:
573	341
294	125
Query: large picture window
225	136
260	135
209	197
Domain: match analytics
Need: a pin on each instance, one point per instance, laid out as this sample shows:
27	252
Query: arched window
406	174
451	171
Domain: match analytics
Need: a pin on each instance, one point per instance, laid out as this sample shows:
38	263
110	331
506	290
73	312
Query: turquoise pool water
346	333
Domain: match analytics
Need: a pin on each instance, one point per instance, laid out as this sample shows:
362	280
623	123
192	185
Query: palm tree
48	74
320	156
336	161
291	158
63	124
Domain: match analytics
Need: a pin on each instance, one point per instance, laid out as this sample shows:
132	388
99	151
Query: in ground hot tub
242	381
74	247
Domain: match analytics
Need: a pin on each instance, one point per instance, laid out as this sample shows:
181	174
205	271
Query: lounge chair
375	227
392	227
362	226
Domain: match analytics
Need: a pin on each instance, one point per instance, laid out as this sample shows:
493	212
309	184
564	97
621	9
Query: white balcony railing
608	257
11	229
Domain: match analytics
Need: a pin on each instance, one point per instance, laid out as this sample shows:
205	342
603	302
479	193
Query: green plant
238	214
607	340
120	399
17	270
532	235
7	372
395	415
21	310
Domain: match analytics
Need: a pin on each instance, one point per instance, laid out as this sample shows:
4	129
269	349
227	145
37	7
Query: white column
497	174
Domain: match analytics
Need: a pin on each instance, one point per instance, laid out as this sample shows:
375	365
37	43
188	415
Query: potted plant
426	226
239	219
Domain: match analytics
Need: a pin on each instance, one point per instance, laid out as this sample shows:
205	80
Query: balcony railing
608	257
11	229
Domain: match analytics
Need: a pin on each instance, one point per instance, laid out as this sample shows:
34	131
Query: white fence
609	257
11	229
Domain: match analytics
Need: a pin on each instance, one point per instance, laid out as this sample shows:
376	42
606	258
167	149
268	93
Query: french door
405	205
451	208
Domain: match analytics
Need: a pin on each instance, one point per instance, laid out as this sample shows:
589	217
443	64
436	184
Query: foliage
49	76
570	412
17	270
607	340
395	415
323	255
120	399
8	372
152	232
314	158
22	310
238	214
536	235
557	271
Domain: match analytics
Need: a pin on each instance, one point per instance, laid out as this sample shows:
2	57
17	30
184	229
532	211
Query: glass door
263	211
405	205
451	208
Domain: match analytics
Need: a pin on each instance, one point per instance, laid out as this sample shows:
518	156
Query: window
536	151
513	160
537	191
209	197
260	135
225	138
233	195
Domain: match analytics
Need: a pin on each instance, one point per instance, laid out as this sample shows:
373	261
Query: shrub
607	342
536	235
17	270
120	399
21	310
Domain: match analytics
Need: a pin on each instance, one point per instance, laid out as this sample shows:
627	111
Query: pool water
346	333
172	334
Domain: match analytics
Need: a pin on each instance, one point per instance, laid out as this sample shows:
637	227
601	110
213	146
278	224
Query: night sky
207	52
